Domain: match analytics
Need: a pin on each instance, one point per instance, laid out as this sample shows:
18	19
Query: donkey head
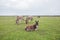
36	22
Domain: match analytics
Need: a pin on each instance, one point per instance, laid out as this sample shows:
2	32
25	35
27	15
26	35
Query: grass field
49	29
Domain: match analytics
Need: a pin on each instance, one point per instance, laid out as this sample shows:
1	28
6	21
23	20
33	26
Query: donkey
28	18
32	27
19	18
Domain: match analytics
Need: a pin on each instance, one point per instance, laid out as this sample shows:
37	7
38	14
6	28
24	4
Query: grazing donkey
22	18
32	27
19	18
28	18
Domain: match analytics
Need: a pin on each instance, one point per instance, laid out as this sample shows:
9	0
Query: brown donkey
32	27
28	18
19	18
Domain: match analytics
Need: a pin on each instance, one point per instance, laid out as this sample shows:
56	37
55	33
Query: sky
29	7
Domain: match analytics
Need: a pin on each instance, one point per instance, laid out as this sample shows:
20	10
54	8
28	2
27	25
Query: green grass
49	29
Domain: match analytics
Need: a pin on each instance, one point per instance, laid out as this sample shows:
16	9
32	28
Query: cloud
19	4
7	14
22	4
30	7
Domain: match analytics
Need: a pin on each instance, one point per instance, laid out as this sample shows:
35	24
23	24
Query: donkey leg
31	19
36	28
17	21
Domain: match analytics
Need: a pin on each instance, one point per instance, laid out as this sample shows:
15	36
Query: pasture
49	29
